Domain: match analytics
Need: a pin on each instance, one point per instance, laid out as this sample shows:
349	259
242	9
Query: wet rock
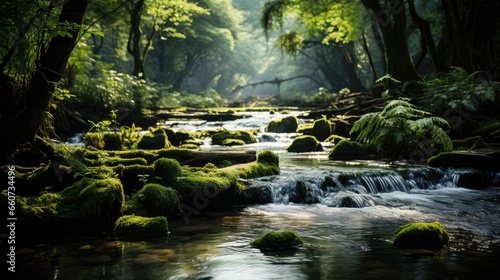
130	226
321	129
278	241
287	124
304	144
478	159
257	195
349	150
421	235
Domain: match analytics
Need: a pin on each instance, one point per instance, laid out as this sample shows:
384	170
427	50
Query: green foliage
421	235
401	128
278	240
131	226
457	91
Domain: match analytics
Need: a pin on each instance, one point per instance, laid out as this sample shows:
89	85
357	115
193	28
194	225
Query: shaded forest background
65	63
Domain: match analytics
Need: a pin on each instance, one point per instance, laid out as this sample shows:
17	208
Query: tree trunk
23	126
425	30
392	24
134	39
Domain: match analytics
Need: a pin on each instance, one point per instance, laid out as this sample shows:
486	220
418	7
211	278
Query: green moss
131	226
305	143
278	240
233	142
149	156
468	143
114	161
155	199
268	157
335	138
421	235
92	205
94	139
321	129
346	150
246	136
486	130
153	140
168	169
287	124
112	141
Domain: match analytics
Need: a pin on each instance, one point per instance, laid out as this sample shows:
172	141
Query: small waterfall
360	188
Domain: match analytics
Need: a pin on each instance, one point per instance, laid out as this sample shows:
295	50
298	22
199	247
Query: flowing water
346	212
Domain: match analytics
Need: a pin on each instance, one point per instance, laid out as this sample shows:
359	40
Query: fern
400	128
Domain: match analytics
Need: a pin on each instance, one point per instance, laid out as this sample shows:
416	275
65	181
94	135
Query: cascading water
359	188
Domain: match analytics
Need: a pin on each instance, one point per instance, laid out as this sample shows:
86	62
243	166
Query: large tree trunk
392	24
425	30
134	39
23	126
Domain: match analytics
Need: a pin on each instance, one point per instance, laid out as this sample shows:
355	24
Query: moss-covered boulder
288	124
278	241
92	205
153	140
153	200
321	129
349	150
167	169
304	144
246	136
233	142
480	160
421	235
468	143
112	141
130	226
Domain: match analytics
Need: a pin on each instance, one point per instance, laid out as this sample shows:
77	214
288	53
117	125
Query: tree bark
23	126
134	39
392	24
425	30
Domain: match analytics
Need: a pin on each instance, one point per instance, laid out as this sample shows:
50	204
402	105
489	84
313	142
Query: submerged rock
278	241
421	235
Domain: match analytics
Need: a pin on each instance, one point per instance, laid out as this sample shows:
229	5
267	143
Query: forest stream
346	218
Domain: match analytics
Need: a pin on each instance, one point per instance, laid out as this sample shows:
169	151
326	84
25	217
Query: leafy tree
400	129
149	19
48	54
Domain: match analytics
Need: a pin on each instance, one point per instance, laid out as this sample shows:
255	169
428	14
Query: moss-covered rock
92	205
233	142
321	129
168	169
130	226
288	124
480	160
112	141
468	143
349	150
304	144
153	200
278	241
246	136
153	140
421	235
